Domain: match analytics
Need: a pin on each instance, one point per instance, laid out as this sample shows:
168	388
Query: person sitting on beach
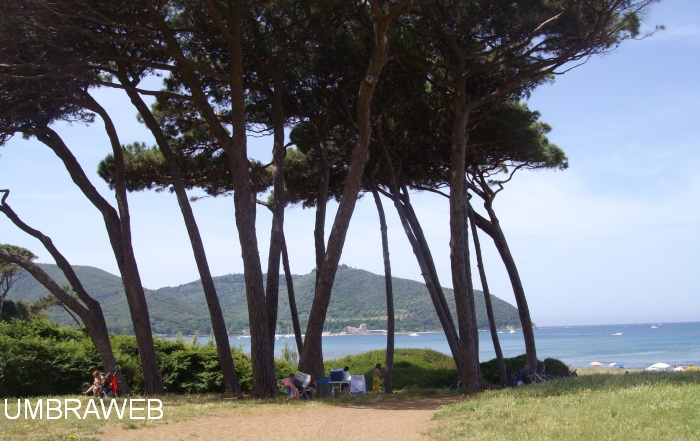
97	382
525	375
376	372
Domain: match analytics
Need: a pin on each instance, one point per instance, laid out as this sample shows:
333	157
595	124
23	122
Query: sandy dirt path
385	420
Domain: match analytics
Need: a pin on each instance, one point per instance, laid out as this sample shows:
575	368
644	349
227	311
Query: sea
637	345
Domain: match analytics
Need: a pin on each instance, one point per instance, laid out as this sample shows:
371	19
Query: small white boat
500	332
618	333
654	327
413	334
512	331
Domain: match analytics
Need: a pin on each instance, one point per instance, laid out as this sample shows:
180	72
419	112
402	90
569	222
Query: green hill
358	297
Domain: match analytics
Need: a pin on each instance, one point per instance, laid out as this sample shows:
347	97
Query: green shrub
41	358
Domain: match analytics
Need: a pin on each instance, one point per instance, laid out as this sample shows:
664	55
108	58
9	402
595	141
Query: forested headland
358	297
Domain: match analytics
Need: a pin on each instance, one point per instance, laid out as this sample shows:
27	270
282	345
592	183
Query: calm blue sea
638	345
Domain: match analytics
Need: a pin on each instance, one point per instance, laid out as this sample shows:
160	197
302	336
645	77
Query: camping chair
302	382
297	386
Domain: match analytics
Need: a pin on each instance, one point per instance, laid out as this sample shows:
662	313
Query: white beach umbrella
660	366
596	364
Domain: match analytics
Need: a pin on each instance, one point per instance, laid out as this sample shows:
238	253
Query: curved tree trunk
93	320
389	367
311	360
218	324
502	372
119	233
493	229
422	255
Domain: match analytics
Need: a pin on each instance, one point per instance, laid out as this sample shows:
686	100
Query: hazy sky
613	239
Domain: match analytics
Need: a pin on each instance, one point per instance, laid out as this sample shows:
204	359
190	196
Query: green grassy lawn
598	405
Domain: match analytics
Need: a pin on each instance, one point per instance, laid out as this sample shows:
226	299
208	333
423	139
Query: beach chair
303	381
292	391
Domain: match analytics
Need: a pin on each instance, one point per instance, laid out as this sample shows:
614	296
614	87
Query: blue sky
613	239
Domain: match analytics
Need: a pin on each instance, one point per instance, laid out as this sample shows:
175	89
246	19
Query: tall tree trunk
502	372
321	203
278	204
493	229
389	367
292	300
262	355
228	20
143	332
119	233
459	246
311	360
421	253
218	323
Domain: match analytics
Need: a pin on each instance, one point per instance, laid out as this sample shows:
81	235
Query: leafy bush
40	358
489	369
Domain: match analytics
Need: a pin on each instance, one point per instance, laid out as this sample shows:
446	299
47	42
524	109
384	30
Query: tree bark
292	300
119	233
502	372
459	245
262	355
218	323
321	203
389	367
311	360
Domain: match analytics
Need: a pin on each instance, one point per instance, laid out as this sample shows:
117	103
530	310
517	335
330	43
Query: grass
597	405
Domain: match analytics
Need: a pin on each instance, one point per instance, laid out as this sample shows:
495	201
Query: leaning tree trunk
292	300
493	229
97	330
153	381
389	368
119	233
223	347
91	314
502	372
425	249
311	360
422	253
